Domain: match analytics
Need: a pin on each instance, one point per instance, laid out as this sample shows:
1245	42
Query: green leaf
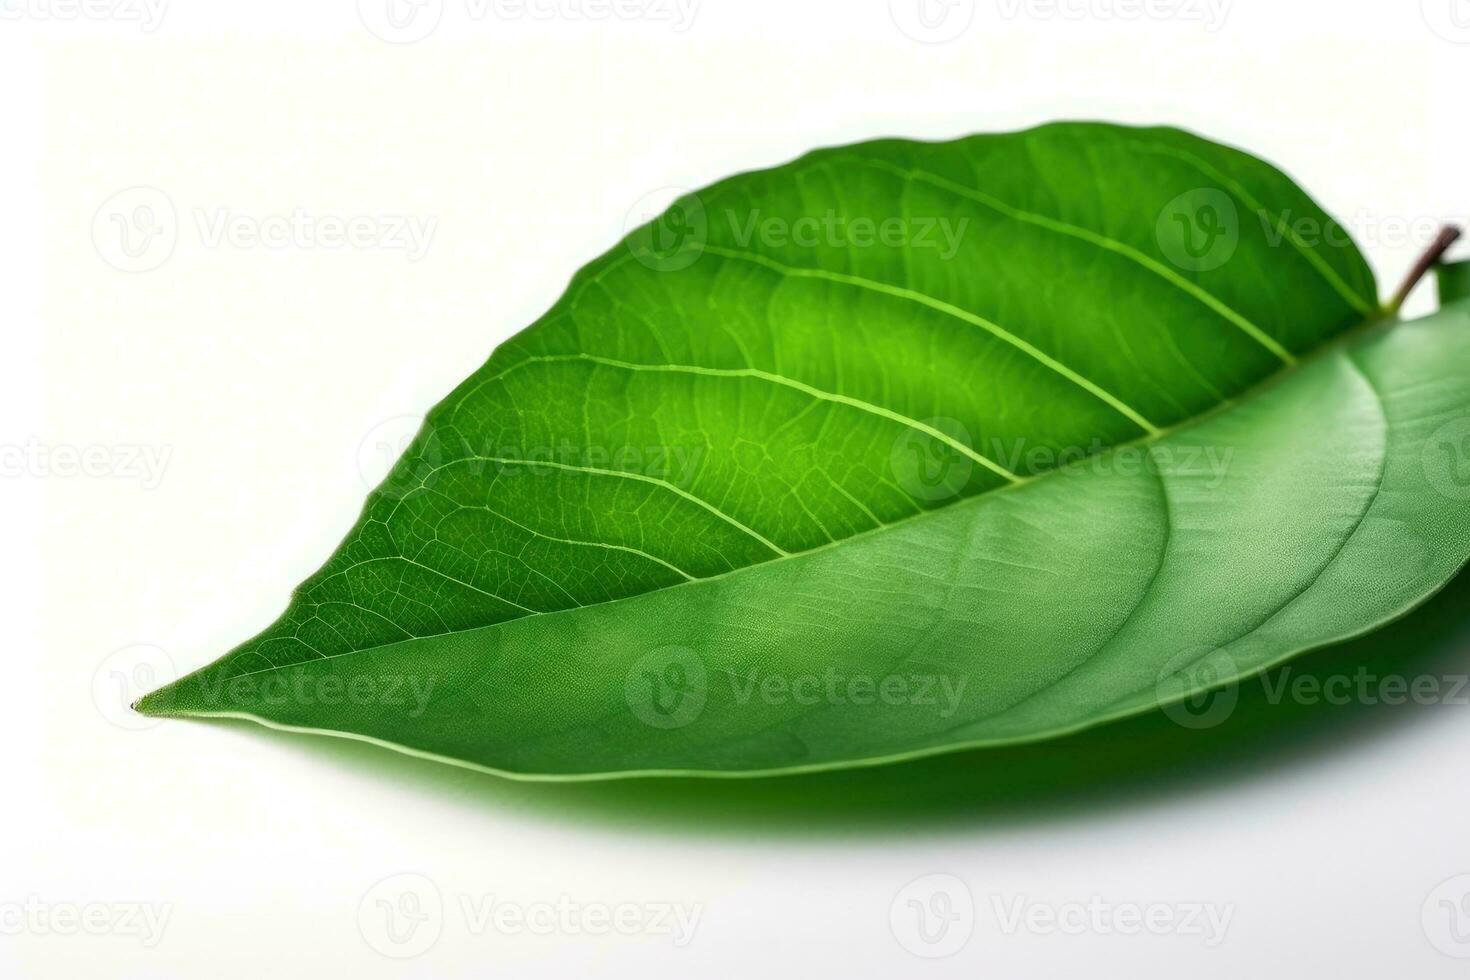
895	449
1454	281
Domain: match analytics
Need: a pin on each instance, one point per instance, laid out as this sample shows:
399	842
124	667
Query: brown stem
1447	236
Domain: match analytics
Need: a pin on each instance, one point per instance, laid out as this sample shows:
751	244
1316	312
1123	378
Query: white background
265	376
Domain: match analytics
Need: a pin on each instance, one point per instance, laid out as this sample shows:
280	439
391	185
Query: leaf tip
156	703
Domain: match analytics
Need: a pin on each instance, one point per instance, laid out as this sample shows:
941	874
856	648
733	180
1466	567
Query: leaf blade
553	355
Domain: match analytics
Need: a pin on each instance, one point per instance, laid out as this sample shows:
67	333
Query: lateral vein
1328	273
1251	329
778	379
923	299
624	474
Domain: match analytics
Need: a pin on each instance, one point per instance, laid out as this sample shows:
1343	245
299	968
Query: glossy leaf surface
897	448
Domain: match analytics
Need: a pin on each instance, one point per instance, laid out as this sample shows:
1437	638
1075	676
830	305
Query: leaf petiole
1447	236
